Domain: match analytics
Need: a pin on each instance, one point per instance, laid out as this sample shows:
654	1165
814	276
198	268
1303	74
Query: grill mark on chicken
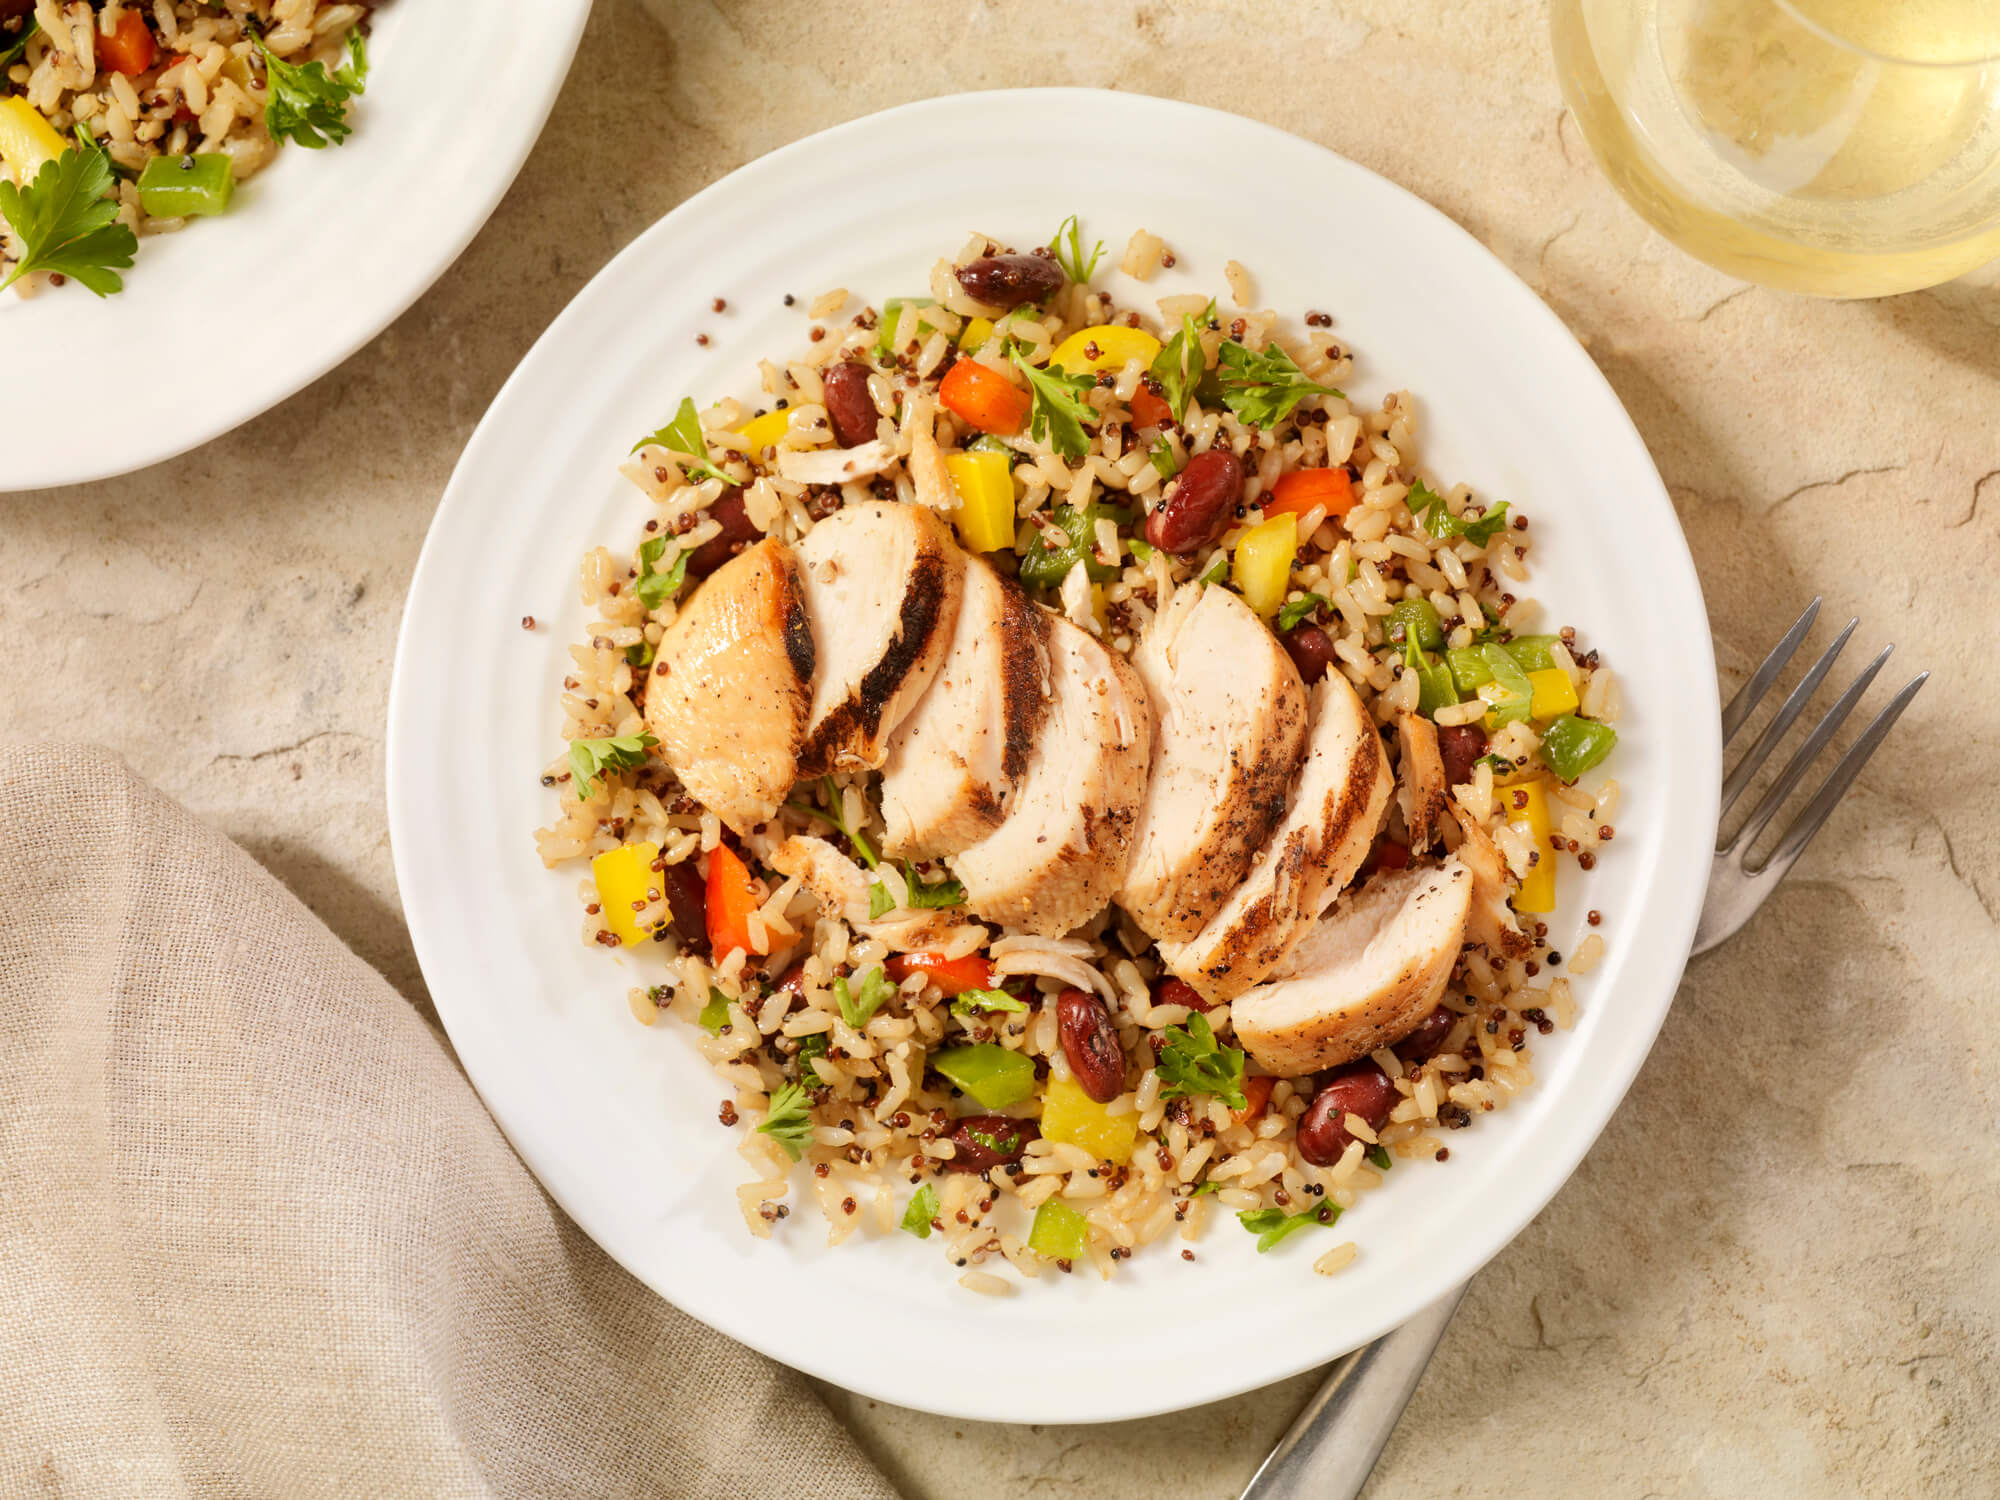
859	719
1024	678
799	648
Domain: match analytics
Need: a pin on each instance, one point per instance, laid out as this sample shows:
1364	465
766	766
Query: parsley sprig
1193	1062
789	1121
924	895
656	585
68	224
1436	518
1271	1225
683	438
714	1015
968	1001
1070	256
1295	610
307	104
876	990
833	813
1262	388
590	759
923	1208
1059	413
1180	364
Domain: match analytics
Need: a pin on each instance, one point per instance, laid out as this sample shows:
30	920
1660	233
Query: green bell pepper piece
988	1073
1434	685
1059	1232
1571	746
1045	567
1419	619
175	187
1532	652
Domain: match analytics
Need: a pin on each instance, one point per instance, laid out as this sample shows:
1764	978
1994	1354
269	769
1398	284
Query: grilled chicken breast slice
731	686
882	586
1420	792
1061	850
1229	729
1336	805
1364	977
954	761
1492	924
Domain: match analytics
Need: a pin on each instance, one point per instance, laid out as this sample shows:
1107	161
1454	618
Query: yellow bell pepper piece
1263	563
763	432
1071	1116
1117	346
1527	806
625	875
26	139
985	485
975	332
1555	695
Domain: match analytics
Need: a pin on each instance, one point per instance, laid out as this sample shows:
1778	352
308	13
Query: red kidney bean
687	905
982	1141
1363	1090
1011	281
1459	745
1199	507
1311	651
1090	1042
1428	1036
1168	990
737	533
793	979
849	407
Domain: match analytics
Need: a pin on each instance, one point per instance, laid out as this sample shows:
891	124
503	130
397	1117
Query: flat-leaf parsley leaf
683	438
590	759
876	990
1070	257
1295	610
923	1208
1436	518
1180	364
1262	388
306	103
970	1000
1192	1062
67	224
1271	1225
789	1121
656	585
1059	412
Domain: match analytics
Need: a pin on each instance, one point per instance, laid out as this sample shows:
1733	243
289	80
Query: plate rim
1554	1167
565	22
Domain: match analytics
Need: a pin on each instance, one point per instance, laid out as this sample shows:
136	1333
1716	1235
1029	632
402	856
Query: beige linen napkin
258	1236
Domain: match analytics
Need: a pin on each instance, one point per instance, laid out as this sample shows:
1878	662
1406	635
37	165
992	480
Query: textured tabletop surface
1776	1273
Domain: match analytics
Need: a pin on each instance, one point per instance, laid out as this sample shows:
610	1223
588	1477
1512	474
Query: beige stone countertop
1776	1274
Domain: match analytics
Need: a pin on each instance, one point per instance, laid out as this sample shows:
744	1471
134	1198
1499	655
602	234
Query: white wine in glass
1847	148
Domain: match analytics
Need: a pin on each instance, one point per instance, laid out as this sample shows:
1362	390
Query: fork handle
1330	1449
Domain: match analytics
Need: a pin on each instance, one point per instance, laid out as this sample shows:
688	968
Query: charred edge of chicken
860	717
1024	632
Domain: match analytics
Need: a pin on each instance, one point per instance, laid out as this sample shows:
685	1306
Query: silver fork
1330	1449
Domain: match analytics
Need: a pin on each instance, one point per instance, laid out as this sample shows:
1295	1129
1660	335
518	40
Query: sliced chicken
1366	975
1492	922
1421	791
841	888
836	465
1229	715
954	762
731	690
1336	804
882	585
1061	850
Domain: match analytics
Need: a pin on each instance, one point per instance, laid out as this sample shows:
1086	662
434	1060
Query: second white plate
620	1121
319	253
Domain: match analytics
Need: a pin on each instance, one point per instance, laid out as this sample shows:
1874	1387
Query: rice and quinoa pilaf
827	1041
167	105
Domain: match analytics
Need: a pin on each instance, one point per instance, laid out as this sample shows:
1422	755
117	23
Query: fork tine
1752	692
1823	802
1805	755
1775	730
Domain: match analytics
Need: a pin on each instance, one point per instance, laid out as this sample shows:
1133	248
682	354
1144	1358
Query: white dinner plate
318	253
619	1121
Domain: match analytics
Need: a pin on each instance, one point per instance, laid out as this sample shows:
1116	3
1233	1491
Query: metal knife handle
1329	1451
